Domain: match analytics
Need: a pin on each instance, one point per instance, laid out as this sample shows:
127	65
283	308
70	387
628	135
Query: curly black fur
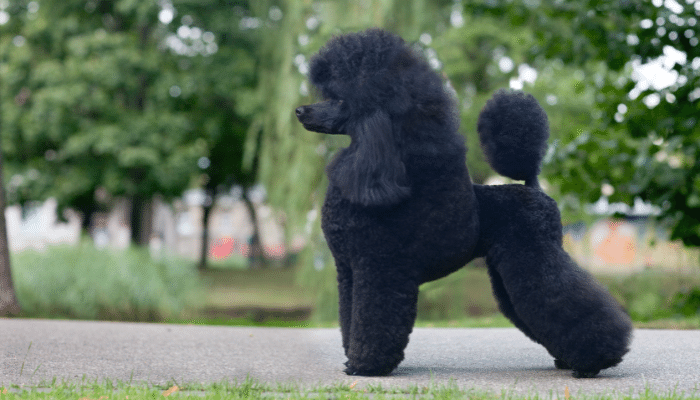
513	130
401	210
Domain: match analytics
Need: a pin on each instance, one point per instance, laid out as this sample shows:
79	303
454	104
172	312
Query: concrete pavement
36	351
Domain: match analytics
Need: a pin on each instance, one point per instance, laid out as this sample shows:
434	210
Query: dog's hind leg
383	313
563	307
507	308
505	305
541	289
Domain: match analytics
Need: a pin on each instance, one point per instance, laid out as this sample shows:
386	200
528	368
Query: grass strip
251	389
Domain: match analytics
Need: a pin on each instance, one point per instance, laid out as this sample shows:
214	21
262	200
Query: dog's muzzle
323	117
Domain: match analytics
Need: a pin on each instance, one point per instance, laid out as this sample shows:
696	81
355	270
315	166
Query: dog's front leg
345	301
383	313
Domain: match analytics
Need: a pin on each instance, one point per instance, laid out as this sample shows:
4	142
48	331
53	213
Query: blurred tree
94	98
615	132
118	95
225	82
478	57
8	298
644	141
291	160
656	121
580	54
289	33
268	44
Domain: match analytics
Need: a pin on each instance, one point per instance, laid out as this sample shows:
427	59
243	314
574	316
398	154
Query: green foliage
687	302
654	295
644	139
221	86
275	138
581	52
642	142
467	292
318	274
88	102
87	283
647	296
93	96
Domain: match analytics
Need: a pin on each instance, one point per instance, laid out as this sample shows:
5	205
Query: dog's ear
371	171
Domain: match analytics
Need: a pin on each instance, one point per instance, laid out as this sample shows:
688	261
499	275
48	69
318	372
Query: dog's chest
340	215
418	219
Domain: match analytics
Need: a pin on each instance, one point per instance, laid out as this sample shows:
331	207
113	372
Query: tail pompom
513	130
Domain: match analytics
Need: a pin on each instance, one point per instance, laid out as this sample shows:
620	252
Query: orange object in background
222	248
617	246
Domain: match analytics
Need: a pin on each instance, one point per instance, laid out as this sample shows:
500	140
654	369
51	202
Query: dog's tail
513	130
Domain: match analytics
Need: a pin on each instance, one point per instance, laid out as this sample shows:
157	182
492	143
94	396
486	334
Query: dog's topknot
376	69
513	130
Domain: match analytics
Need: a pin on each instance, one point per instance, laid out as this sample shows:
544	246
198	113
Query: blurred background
153	168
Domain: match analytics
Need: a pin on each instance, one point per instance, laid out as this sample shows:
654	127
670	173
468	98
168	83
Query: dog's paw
584	374
351	370
561	364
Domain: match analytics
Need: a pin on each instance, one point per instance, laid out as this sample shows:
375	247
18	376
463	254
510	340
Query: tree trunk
255	255
8	300
206	208
141	223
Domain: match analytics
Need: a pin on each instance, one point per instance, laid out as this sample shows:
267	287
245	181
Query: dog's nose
300	111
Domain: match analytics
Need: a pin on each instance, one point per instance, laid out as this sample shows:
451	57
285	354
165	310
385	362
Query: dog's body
401	210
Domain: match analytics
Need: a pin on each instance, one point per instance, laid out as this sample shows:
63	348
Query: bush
647	296
653	295
687	302
86	283
466	292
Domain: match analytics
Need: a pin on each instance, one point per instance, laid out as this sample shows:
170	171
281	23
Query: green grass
462	299
232	262
250	389
492	321
466	292
86	283
670	323
654	295
270	288
264	297
236	297
83	282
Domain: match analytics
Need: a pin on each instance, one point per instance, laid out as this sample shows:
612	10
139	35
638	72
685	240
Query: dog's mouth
324	117
311	126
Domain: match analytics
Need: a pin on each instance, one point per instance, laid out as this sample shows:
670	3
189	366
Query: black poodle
401	210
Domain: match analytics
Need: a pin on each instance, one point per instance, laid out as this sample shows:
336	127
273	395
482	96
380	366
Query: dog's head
382	93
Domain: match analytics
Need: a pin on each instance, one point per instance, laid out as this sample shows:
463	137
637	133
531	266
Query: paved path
490	359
